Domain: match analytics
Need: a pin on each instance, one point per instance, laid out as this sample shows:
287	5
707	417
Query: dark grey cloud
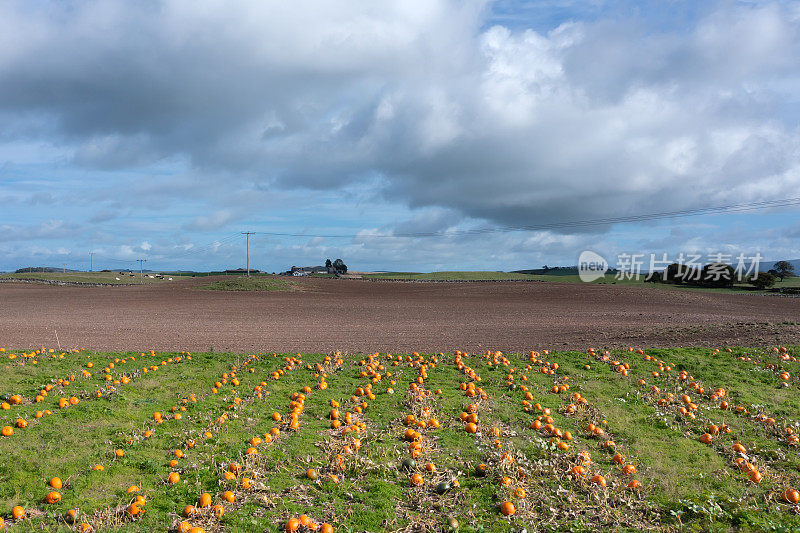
609	117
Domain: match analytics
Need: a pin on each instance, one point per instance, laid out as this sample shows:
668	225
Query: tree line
719	275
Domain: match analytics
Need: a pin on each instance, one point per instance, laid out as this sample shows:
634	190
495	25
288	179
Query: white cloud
221	105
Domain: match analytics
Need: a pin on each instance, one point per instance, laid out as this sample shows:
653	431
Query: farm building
304	271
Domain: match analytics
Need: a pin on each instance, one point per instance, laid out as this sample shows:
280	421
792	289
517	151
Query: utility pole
91	261
140	270
248	233
65	268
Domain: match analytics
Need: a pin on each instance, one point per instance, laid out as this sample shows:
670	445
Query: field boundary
65	283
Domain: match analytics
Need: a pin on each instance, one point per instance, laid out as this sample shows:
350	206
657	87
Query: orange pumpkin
507	508
205	500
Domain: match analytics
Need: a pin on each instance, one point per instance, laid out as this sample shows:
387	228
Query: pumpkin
56	483
218	510
416	480
442	487
578	472
791	496
18	512
133	510
205	500
507	508
293	524
173	478
189	510
228	496
53	497
7	431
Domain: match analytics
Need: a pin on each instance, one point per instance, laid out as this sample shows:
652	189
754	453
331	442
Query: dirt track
396	317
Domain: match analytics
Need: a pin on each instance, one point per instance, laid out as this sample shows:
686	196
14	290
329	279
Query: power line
734	208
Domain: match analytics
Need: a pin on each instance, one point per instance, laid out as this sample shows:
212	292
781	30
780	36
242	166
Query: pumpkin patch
336	442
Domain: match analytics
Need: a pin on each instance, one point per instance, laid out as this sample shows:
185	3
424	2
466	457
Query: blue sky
162	129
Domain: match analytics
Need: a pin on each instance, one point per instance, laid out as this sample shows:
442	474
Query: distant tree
653	277
763	280
717	275
340	267
674	273
328	263
693	275
783	269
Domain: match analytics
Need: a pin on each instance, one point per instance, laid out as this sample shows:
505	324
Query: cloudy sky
161	129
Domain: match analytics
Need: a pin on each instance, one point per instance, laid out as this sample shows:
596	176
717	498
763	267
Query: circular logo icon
591	266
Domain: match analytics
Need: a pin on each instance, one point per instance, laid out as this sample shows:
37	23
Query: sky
162	129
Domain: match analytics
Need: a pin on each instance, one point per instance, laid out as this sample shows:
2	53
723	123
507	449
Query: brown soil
363	316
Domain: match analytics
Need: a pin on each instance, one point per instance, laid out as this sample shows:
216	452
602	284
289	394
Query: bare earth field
359	316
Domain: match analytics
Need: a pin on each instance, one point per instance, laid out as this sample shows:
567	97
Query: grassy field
257	284
256	434
91	277
608	279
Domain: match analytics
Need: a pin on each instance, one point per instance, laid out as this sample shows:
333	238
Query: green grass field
216	426
109	278
256	284
608	279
